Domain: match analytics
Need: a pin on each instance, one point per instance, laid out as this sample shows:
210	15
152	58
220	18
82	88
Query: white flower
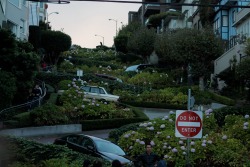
151	128
152	143
137	140
126	136
69	85
162	126
149	123
97	105
192	150
224	137
170	120
168	137
203	144
131	147
247	116
166	117
83	106
192	143
245	127
133	132
166	156
164	147
209	142
169	147
174	150
142	142
204	141
183	148
180	142
158	133
246	124
171	112
75	108
184	153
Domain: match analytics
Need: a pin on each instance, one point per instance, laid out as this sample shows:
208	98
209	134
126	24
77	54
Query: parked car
109	77
138	67
94	146
100	93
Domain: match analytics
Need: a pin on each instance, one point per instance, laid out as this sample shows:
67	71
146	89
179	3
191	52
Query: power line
159	3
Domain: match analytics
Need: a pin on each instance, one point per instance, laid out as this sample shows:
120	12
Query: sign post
188	124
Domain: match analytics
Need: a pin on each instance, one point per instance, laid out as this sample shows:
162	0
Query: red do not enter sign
188	124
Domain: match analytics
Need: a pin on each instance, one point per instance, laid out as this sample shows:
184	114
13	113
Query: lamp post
47	25
102	38
115	25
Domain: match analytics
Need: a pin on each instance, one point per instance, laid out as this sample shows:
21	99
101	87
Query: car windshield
109	147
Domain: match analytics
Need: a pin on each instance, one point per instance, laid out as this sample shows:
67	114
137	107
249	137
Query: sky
82	20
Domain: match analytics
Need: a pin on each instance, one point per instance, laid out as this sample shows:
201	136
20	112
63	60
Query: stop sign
188	124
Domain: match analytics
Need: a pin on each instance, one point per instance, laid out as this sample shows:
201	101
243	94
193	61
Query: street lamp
47	25
115	25
102	38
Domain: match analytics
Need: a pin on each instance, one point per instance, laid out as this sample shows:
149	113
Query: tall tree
121	39
197	48
141	42
54	43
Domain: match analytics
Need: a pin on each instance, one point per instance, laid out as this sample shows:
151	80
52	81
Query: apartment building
233	27
18	15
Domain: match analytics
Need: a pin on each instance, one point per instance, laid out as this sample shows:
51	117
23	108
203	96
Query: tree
121	39
54	43
18	58
141	42
190	47
243	74
7	88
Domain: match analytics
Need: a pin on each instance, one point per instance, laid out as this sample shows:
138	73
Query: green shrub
53	98
63	85
48	114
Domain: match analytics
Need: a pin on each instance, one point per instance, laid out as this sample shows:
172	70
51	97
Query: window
12	27
85	88
94	90
224	20
234	16
14	2
101	91
22	26
41	5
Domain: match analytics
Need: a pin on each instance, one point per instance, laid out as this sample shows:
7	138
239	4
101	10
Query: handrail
27	103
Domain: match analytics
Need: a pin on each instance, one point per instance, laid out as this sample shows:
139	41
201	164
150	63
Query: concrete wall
44	130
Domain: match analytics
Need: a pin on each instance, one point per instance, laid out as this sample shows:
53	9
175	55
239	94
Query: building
18	15
233	28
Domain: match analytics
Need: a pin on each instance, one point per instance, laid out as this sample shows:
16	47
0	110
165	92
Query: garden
225	140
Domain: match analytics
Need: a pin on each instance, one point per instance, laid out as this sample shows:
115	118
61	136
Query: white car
100	93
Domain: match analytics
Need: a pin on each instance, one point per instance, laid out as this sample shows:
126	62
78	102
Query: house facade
234	34
18	15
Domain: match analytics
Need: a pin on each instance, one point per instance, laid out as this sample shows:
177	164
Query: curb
43	130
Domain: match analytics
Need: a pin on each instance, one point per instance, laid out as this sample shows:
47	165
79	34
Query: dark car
93	146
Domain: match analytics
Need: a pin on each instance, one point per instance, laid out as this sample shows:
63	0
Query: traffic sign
188	124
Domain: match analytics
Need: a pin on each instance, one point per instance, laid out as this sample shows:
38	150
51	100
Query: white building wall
17	14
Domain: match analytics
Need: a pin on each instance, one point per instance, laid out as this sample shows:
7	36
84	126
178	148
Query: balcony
223	62
242	15
151	9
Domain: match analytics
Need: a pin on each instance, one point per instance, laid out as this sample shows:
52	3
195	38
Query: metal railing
9	112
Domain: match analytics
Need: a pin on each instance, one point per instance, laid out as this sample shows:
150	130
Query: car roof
136	67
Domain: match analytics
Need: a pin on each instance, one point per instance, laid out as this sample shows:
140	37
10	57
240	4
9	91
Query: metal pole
188	139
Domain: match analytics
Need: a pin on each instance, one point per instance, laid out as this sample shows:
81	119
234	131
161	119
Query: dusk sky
83	20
